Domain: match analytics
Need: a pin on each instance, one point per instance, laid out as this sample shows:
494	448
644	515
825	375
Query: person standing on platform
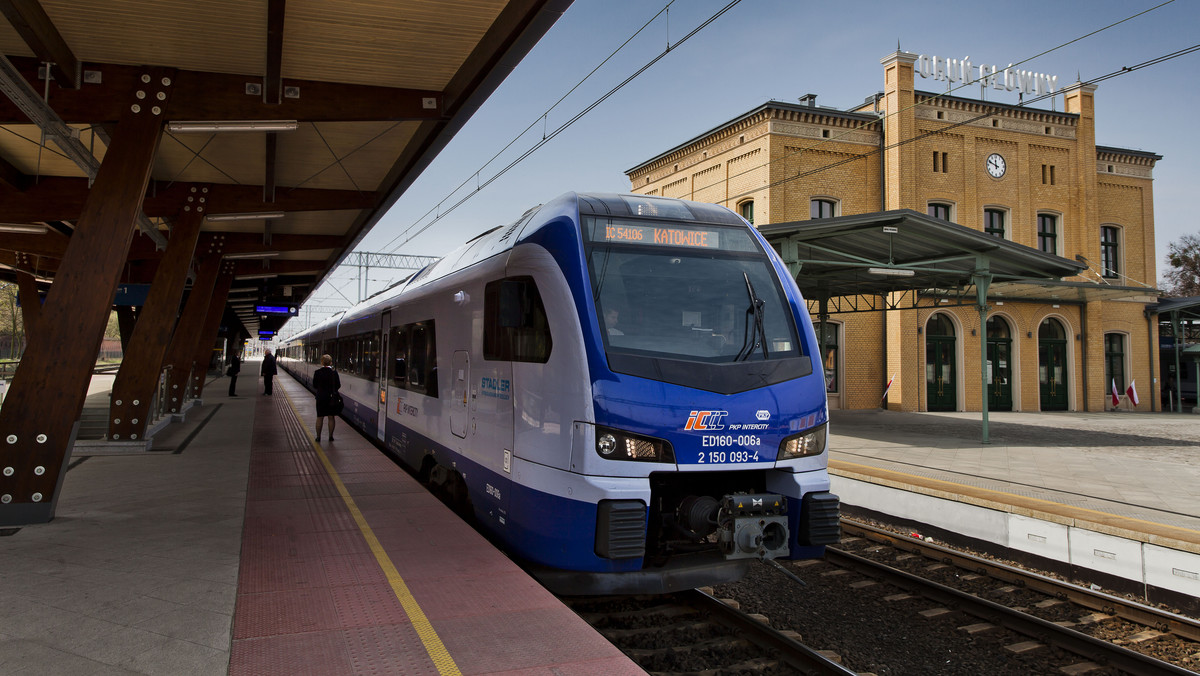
327	383
235	367
268	371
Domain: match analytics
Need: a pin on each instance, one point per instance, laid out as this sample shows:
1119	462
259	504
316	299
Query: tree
12	325
1183	277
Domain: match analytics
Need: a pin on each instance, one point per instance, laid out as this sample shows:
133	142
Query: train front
710	416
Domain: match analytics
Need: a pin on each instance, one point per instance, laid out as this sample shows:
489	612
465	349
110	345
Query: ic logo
705	420
763	415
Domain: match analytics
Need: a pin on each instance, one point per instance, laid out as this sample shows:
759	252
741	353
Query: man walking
268	371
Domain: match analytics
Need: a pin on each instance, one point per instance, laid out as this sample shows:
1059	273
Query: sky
761	50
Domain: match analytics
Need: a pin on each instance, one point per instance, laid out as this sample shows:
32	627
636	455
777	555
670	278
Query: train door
461	375
383	361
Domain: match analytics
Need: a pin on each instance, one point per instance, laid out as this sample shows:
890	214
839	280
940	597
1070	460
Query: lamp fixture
246	217
891	272
272	276
220	126
28	228
246	256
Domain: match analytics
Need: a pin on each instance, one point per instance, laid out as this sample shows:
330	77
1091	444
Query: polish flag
1131	392
1116	397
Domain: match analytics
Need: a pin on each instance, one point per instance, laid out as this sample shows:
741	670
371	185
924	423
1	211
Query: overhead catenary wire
542	117
558	130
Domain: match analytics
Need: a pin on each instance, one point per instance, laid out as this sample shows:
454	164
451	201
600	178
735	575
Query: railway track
694	633
1117	633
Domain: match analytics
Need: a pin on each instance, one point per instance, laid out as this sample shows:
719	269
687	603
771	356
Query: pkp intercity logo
705	420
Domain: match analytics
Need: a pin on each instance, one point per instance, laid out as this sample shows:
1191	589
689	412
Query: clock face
995	165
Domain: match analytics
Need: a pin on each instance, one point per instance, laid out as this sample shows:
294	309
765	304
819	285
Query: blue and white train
621	388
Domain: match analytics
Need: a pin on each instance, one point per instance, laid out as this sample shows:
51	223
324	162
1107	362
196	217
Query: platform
1112	492
241	546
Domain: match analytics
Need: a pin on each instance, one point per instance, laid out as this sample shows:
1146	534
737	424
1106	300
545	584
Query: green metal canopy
903	250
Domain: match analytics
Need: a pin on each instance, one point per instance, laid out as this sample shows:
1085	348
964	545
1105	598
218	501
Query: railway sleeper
627	635
705	649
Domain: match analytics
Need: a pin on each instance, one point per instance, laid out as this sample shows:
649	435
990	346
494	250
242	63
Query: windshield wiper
755	334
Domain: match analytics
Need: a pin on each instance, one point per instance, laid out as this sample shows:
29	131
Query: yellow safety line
433	644
958	487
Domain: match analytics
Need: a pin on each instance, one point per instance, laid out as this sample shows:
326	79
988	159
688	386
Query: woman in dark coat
326	382
235	367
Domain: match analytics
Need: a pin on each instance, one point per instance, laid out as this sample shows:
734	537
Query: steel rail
1126	609
791	651
1089	647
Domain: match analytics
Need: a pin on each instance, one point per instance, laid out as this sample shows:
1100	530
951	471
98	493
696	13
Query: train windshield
691	292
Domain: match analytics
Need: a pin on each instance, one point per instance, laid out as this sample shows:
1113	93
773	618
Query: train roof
501	239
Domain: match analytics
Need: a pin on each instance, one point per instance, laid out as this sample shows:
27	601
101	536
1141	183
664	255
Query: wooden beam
273	79
62	199
191	320
133	388
39	33
49	387
207	336
31	304
12	177
219	96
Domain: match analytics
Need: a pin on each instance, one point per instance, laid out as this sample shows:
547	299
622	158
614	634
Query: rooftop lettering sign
989	75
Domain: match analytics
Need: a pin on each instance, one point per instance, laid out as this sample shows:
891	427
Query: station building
1032	176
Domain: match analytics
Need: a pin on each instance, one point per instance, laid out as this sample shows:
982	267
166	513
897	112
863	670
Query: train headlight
808	442
614	444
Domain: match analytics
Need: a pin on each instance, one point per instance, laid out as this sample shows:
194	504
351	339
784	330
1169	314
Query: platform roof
902	250
377	89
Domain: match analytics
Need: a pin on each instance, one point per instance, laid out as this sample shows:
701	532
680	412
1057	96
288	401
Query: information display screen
674	235
274	310
663	235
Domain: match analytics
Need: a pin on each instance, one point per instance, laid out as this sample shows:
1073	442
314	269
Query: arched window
822	208
746	210
942	210
940	325
1110	251
994	222
1051	329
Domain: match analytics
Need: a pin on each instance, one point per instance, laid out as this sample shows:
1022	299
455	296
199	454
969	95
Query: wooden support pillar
183	342
208	334
126	321
38	420
31	303
135	384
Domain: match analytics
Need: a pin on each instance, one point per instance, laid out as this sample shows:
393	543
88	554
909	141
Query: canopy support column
982	279
183	341
202	354
39	419
133	389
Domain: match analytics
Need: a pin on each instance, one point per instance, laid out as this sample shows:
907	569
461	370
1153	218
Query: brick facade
905	149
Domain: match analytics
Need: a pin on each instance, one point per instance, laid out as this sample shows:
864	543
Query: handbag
336	403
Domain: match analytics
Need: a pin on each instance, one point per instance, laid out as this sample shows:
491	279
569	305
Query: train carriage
620	387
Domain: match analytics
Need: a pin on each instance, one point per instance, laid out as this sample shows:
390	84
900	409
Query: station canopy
852	261
298	122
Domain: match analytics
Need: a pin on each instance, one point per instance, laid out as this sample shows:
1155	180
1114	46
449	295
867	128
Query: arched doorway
999	368
1052	365
940	376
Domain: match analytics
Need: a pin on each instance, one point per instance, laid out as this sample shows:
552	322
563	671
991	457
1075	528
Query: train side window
399	353
515	326
422	361
370	356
